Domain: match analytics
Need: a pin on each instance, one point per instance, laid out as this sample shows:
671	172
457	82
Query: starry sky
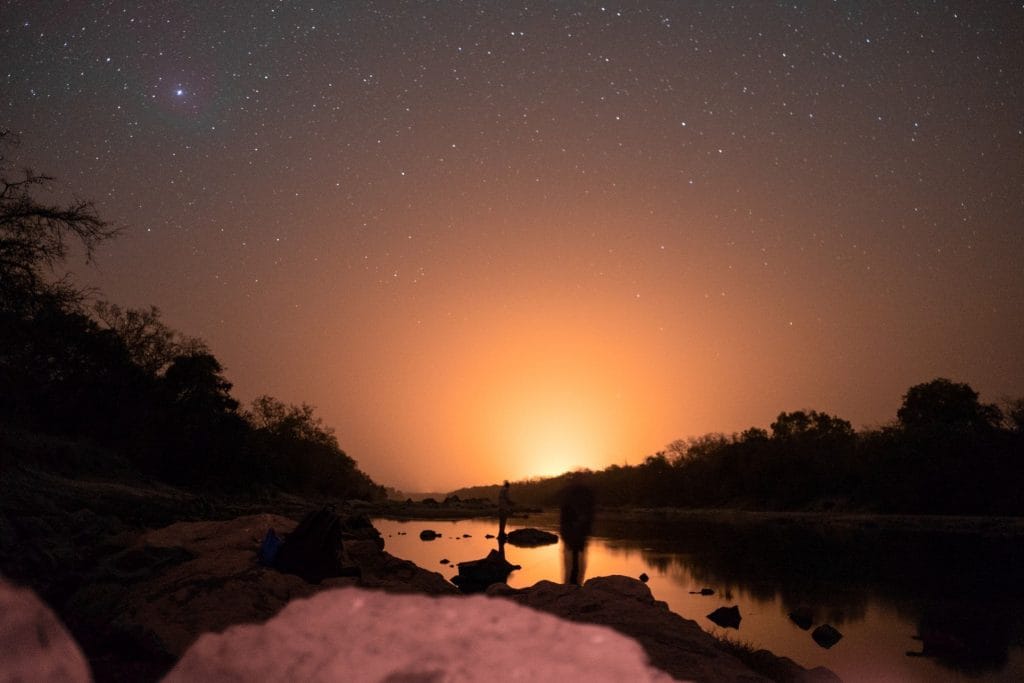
493	240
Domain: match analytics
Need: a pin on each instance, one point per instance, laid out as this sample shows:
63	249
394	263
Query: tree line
945	453
154	399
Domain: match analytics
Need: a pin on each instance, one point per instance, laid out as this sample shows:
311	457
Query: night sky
490	240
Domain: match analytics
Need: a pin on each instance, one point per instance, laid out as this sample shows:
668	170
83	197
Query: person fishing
504	510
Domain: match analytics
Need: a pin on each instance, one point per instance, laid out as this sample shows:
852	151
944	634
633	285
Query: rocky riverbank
138	588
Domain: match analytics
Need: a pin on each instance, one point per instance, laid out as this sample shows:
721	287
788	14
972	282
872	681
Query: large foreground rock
674	644
357	635
34	645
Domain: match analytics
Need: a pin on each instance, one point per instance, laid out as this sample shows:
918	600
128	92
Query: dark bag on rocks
313	550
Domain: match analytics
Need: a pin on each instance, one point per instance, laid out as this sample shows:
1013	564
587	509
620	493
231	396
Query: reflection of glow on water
544	562
875	638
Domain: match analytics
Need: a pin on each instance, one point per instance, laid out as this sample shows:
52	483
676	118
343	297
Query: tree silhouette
943	407
196	383
949	453
299	452
152	345
35	238
811	425
294	422
1014	415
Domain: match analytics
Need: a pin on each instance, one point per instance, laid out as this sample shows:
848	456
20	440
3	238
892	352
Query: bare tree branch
35	237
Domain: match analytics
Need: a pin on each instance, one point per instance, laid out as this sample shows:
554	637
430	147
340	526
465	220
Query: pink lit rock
353	634
34	645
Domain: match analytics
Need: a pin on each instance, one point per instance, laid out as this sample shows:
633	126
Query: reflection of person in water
504	510
577	518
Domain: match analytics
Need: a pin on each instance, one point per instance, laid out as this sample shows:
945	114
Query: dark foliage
35	238
294	446
126	381
947	454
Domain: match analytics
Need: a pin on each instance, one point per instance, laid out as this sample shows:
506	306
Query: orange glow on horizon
540	400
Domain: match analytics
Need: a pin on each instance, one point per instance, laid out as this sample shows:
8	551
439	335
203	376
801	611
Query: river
881	589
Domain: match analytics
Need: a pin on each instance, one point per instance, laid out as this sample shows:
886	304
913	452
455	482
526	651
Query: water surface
880	589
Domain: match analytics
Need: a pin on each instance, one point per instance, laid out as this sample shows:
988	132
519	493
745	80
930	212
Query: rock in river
826	635
726	617
531	538
476	575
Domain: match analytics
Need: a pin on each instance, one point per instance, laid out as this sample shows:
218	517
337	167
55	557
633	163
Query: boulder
530	538
802	616
826	635
34	644
429	535
382	570
353	634
313	550
726	617
674	644
476	575
360	528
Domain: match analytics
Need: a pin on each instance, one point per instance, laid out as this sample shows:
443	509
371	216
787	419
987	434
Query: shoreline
977	525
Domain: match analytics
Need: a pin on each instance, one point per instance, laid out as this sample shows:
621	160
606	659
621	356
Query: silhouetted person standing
504	510
577	519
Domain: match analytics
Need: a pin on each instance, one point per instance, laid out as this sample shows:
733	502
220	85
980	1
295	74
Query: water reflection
575	522
956	600
962	594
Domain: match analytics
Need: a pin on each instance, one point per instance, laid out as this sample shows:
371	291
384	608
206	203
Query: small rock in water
644	577
826	635
428	535
802	616
726	617
489	536
466	536
531	538
476	575
444	561
703	591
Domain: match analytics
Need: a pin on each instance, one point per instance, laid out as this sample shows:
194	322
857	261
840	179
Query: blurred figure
504	510
577	519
